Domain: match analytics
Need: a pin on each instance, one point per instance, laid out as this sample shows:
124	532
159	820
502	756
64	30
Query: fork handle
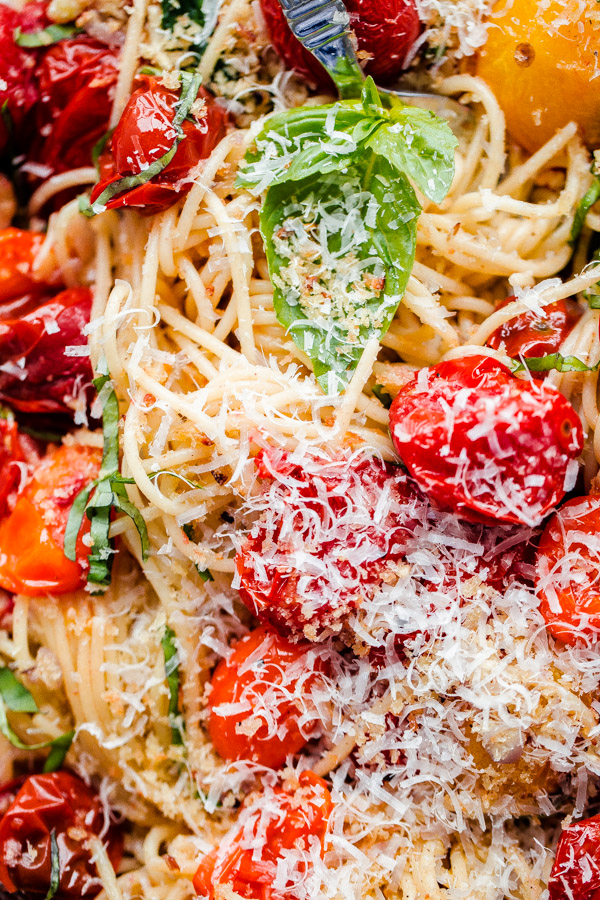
322	27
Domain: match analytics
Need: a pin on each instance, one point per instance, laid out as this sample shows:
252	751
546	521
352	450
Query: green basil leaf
127	507
340	252
60	747
553	361
204	574
54	867
202	13
75	521
419	144
382	395
171	656
100	146
591	196
46	37
301	142
15	695
190	85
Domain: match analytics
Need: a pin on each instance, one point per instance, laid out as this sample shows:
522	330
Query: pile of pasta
500	733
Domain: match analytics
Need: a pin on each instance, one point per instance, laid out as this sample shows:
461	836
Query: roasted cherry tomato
568	570
19	91
32	560
145	133
283	825
76	81
16	452
531	334
541	63
18	250
485	444
576	871
256	698
37	375
62	804
331	531
385	31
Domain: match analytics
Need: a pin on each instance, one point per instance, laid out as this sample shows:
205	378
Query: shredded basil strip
201	13
382	395
190	85
205	574
105	493
552	361
46	37
171	655
15	697
55	866
591	196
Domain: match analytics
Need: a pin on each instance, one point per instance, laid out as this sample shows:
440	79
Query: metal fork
322	27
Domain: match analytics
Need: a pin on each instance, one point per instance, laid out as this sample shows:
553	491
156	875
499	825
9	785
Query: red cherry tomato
485	444
19	91
76	79
18	250
385	29
576	871
533	335
145	133
63	804
319	547
568	571
283	823
32	559
16	452
256	698
37	375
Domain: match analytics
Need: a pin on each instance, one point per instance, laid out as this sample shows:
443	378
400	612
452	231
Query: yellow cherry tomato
540	60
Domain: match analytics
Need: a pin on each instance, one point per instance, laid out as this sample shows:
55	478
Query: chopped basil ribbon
555	361
382	395
339	218
190	85
54	867
591	295
204	574
15	697
101	496
591	196
46	37
171	655
201	13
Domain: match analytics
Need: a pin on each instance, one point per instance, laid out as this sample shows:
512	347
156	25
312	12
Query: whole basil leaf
421	145
340	251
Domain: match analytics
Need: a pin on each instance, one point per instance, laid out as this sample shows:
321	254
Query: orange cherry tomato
288	822
32	560
18	249
540	60
256	698
568	571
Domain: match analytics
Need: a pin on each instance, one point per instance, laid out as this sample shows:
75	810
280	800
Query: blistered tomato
32	559
485	444
257	698
541	59
18	250
283	829
568	571
576	871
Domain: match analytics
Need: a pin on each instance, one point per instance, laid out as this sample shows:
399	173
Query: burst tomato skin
263	670
32	559
41	377
144	133
344	559
16	450
18	86
484	444
76	80
568	571
62	803
293	820
576	870
18	249
530	335
385	29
